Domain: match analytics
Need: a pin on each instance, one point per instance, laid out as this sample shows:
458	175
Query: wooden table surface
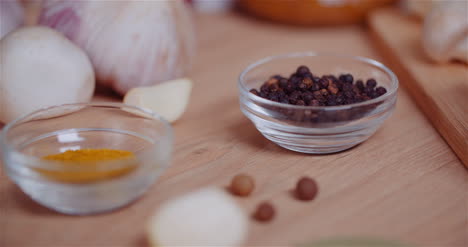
404	183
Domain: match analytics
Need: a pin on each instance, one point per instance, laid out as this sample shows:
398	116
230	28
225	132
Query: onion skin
11	16
130	43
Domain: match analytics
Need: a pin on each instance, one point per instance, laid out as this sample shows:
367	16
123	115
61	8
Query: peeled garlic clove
39	68
130	43
207	217
12	16
168	99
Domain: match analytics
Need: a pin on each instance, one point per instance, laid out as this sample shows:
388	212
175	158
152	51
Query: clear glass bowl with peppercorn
317	103
86	158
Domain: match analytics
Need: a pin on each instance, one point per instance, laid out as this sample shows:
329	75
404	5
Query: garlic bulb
11	16
130	43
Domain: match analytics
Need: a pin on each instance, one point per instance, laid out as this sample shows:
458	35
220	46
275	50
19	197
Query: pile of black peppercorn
306	89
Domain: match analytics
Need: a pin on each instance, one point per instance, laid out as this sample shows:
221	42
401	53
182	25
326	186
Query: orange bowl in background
312	12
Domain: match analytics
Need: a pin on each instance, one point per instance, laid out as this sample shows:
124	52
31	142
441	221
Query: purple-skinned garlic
130	43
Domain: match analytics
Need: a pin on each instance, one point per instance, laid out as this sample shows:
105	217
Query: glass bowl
85	126
317	129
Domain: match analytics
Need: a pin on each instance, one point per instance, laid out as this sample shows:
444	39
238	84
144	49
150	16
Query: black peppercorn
380	91
324	82
347	87
303	88
332	78
368	90
294	97
289	88
318	95
302	70
308	81
272	81
371	83
356	90
316	79
283	82
274	97
331	102
295	80
315	87
308	75
360	85
340	99
307	96
358	98
342	78
349	94
348	78
332	88
324	92
284	100
374	94
274	88
254	91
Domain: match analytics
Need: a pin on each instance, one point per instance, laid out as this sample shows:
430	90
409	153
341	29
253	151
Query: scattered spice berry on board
306	189
242	185
306	89
265	212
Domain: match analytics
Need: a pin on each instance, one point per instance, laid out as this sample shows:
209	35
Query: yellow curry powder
89	165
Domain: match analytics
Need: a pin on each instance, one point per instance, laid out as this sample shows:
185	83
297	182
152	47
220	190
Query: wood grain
441	91
404	183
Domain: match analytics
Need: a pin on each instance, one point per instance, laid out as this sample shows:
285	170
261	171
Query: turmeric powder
89	165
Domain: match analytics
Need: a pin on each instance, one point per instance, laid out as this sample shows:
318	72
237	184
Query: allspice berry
242	185
306	189
265	212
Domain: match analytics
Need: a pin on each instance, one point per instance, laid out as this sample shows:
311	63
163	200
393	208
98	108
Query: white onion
11	16
39	68
206	217
130	43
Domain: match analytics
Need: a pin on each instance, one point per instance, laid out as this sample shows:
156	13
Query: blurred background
404	184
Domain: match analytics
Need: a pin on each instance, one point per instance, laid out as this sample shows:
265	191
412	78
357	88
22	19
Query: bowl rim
390	91
7	149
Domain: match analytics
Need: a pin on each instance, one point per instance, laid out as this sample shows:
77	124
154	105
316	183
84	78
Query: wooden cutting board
441	91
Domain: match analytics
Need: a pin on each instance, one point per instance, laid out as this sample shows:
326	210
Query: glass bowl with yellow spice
86	158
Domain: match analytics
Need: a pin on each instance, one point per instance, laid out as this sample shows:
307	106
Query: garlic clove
168	99
207	217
